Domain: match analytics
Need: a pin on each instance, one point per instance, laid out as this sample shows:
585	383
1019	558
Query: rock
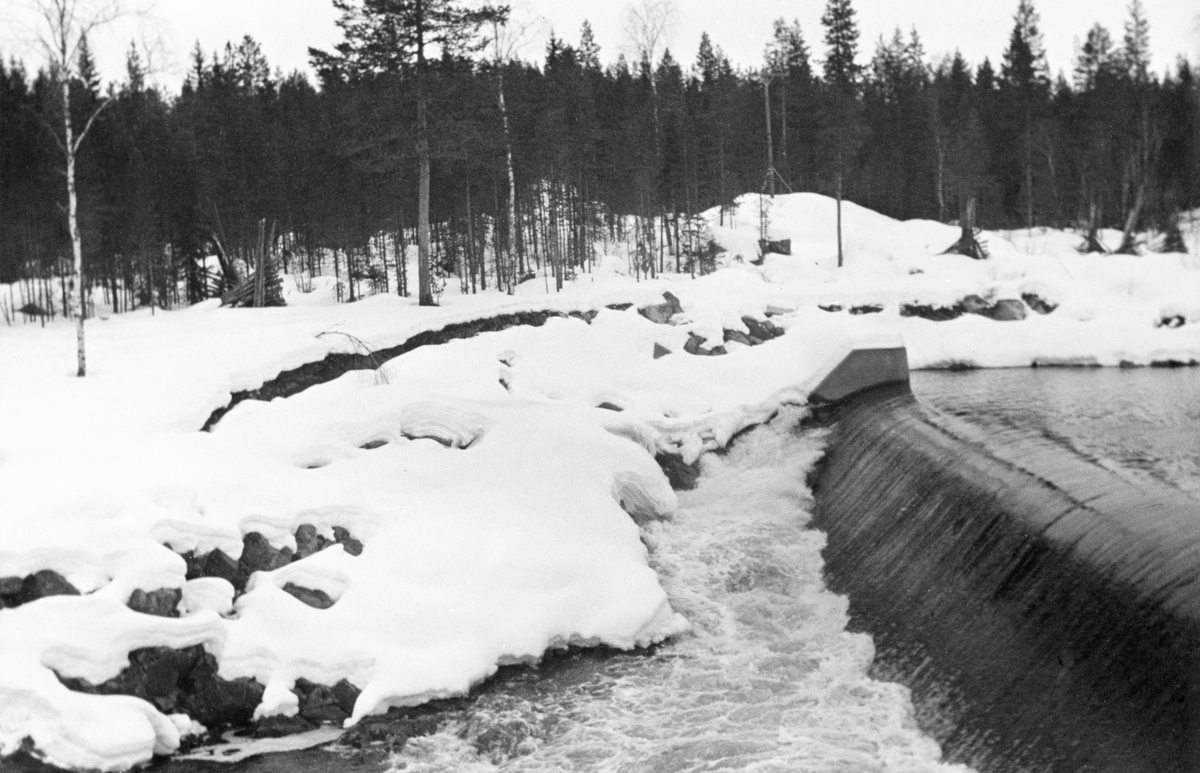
973	304
661	313
346	695
935	313
258	555
219	564
1038	304
716	351
829	307
181	681
163	602
606	406
279	726
342	536
868	308
682	477
10	591
737	335
307	541
660	351
320	704
371	445
45	583
215	702
759	330
775	311
693	344
1005	310
619	306
311	596
1173	321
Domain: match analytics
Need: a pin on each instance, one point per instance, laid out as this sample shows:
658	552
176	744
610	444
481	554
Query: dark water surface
1141	421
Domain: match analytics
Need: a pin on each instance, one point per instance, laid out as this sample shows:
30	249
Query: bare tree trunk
1028	172
510	270
76	296
839	216
424	280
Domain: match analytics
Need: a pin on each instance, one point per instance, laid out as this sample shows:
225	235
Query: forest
531	163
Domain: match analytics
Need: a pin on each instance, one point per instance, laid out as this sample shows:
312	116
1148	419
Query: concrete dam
1043	609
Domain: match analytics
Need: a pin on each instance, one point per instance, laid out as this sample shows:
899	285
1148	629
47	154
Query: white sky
286	28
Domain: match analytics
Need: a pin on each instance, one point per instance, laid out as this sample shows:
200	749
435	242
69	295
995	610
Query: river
770	679
1137	422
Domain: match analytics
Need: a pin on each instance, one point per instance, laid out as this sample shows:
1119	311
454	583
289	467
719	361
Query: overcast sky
979	28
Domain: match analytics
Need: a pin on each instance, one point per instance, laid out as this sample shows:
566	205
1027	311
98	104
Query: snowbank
493	506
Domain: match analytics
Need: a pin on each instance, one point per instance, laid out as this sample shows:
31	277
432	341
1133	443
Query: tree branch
90	121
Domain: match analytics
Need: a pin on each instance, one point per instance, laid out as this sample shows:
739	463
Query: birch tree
66	25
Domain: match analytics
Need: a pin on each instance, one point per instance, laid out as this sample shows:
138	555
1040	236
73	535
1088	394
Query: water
1041	607
1143	421
770	680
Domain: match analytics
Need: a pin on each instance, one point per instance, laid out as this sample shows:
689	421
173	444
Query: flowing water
770	680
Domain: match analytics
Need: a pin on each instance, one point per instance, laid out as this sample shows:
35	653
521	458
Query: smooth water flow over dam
1042	600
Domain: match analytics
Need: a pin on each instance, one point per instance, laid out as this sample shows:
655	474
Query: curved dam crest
1044	610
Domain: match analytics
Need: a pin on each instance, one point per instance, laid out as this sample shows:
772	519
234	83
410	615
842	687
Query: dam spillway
1044	610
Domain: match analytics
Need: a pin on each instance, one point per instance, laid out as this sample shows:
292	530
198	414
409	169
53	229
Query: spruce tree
1024	76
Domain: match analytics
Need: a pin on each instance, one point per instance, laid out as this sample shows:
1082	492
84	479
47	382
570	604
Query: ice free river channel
770	679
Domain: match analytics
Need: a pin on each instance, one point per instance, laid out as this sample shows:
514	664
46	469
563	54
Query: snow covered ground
499	511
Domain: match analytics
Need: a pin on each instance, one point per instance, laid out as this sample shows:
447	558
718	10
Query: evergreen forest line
532	164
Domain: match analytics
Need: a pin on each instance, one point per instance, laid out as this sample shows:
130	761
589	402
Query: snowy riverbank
485	506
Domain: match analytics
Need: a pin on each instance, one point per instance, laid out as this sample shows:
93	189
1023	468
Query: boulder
618	306
693	344
342	536
764	331
1007	310
866	308
737	335
163	602
258	555
181	681
320	704
1038	304
973	304
307	541
831	307
45	583
661	313
311	596
934	313
219	564
775	311
278	726
660	351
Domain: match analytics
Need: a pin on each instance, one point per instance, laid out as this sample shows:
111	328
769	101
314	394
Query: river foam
769	679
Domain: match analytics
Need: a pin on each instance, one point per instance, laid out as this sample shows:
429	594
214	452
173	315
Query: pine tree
392	36
841	125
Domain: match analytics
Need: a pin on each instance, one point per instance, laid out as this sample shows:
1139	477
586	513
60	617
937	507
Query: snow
504	516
